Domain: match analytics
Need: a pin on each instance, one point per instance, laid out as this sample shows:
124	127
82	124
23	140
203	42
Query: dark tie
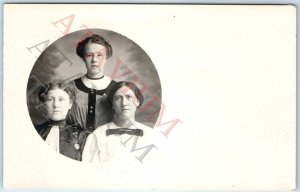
121	131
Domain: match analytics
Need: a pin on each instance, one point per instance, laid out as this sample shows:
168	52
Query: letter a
37	46
67	26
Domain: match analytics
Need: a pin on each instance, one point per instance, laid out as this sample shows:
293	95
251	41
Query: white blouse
101	148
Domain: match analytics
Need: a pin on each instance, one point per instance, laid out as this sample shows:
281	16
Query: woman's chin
54	118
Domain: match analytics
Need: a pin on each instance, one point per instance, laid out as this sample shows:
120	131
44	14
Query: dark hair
115	87
68	88
94	39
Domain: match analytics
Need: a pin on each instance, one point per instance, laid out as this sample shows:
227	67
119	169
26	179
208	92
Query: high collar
91	78
82	87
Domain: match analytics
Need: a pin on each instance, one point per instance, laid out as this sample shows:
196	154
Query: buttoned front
90	109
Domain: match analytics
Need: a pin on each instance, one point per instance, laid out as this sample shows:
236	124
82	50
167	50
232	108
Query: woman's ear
137	101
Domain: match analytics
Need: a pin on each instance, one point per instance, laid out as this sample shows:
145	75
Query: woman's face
58	104
94	59
125	103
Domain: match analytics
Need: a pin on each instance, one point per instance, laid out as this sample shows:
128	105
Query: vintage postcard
152	97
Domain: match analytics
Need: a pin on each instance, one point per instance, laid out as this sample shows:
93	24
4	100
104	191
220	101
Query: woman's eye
99	54
61	99
48	99
117	98
129	96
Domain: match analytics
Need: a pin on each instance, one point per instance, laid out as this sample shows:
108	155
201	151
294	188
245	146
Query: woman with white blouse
123	137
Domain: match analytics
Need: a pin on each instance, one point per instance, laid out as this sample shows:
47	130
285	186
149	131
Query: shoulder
100	130
97	135
142	126
107	79
79	85
74	82
41	126
106	82
147	131
111	82
43	129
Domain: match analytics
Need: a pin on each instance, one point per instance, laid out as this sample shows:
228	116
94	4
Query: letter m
159	123
146	149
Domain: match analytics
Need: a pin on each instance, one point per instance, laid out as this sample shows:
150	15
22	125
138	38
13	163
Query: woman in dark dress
66	139
89	109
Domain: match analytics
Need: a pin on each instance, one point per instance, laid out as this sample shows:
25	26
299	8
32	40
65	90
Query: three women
84	109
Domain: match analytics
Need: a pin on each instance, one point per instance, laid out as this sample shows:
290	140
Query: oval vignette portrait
89	79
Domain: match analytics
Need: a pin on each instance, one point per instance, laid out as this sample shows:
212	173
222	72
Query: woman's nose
55	103
94	59
124	101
